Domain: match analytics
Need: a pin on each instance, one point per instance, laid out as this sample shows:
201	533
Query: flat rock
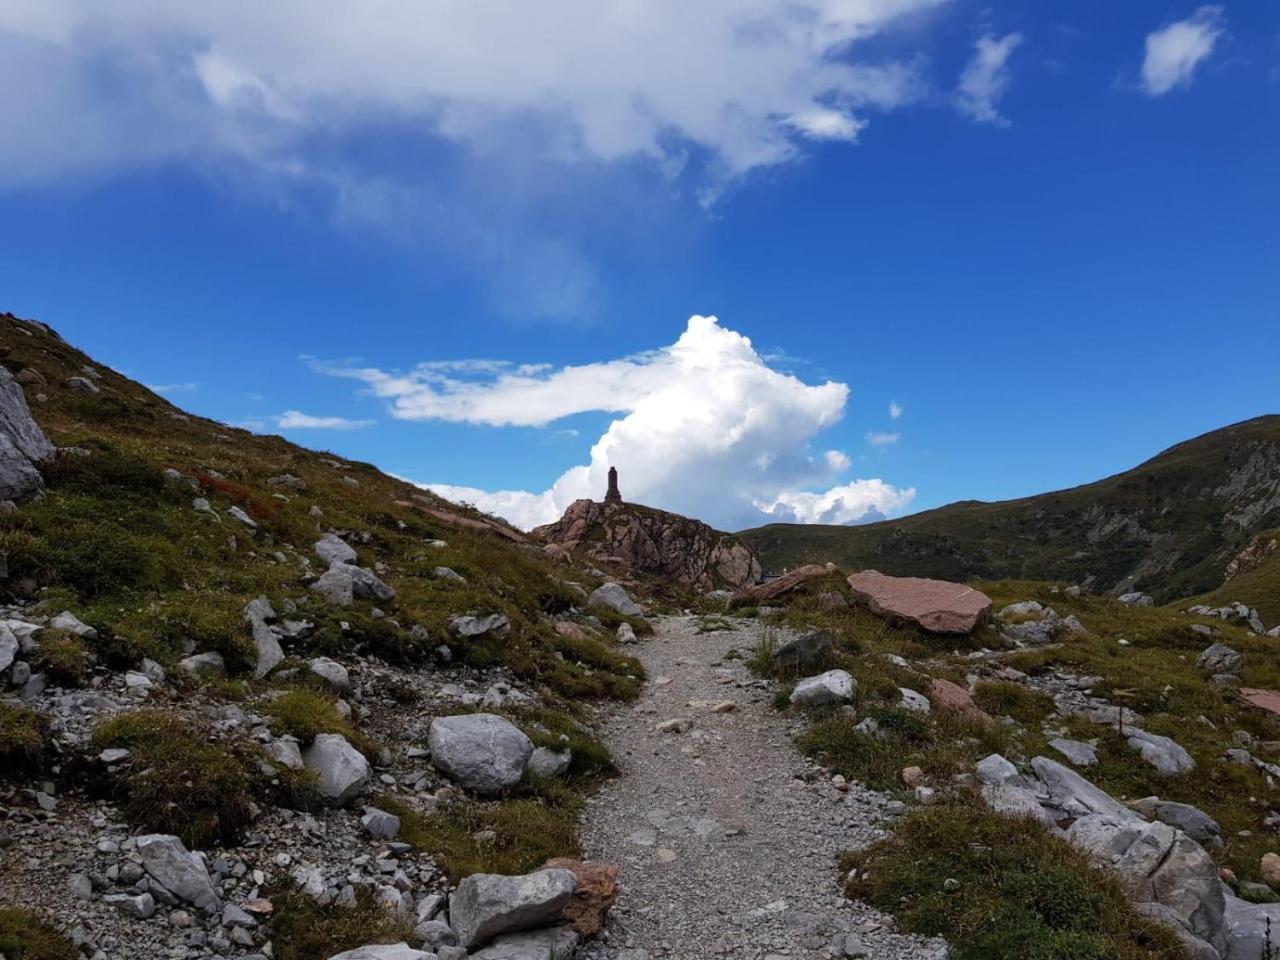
1080	754
555	943
384	951
777	587
332	549
936	606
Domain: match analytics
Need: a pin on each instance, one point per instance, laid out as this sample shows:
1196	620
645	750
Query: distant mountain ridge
1168	527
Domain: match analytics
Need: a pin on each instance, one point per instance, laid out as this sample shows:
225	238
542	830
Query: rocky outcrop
644	540
23	445
937	606
1152	846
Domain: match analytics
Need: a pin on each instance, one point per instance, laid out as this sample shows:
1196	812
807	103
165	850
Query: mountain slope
1168	526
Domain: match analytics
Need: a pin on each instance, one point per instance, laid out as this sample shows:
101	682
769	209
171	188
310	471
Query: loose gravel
726	835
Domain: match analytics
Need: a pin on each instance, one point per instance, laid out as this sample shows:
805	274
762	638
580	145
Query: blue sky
1048	235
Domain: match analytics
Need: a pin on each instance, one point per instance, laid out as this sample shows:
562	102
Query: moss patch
303	930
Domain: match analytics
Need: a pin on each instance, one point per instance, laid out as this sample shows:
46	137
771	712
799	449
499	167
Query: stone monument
613	496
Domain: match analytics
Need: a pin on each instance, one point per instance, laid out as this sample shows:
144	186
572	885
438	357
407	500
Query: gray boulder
365	584
612	595
332	549
1168	758
1079	753
178	870
553	943
1157	864
914	701
1219	658
331	672
1136	599
269	653
480	751
336	585
379	824
8	647
1192	821
626	634
342	769
208	664
826	689
23	445
1245	929
487	905
1072	795
384	951
140	907
473	626
812	651
549	764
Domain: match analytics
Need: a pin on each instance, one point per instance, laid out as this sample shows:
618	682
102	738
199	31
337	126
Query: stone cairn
613	495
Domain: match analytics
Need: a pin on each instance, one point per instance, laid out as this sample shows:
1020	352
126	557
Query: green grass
177	780
940	744
24	935
304	712
1016	890
1259	587
302	930
1004	698
509	836
63	657
23	735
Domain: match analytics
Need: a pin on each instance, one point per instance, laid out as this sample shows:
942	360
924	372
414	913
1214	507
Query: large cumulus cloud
706	427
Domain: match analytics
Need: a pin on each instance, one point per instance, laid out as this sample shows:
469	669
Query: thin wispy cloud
165	388
1175	51
297	420
704	427
895	410
986	78
877	439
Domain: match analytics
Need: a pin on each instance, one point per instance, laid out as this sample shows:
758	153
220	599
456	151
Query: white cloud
1173	52
173	387
705	428
882	439
141	80
297	420
985	79
895	410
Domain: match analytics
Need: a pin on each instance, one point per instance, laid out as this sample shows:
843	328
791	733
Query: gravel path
726	835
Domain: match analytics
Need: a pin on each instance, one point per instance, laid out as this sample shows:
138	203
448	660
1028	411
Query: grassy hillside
117	539
1257	584
1168	526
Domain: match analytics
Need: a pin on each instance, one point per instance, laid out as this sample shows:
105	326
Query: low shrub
23	733
24	935
301	929
177	781
510	836
63	657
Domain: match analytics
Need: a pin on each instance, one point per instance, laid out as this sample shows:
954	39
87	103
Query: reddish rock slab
474	523
948	697
596	890
573	631
783	584
937	606
1268	700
